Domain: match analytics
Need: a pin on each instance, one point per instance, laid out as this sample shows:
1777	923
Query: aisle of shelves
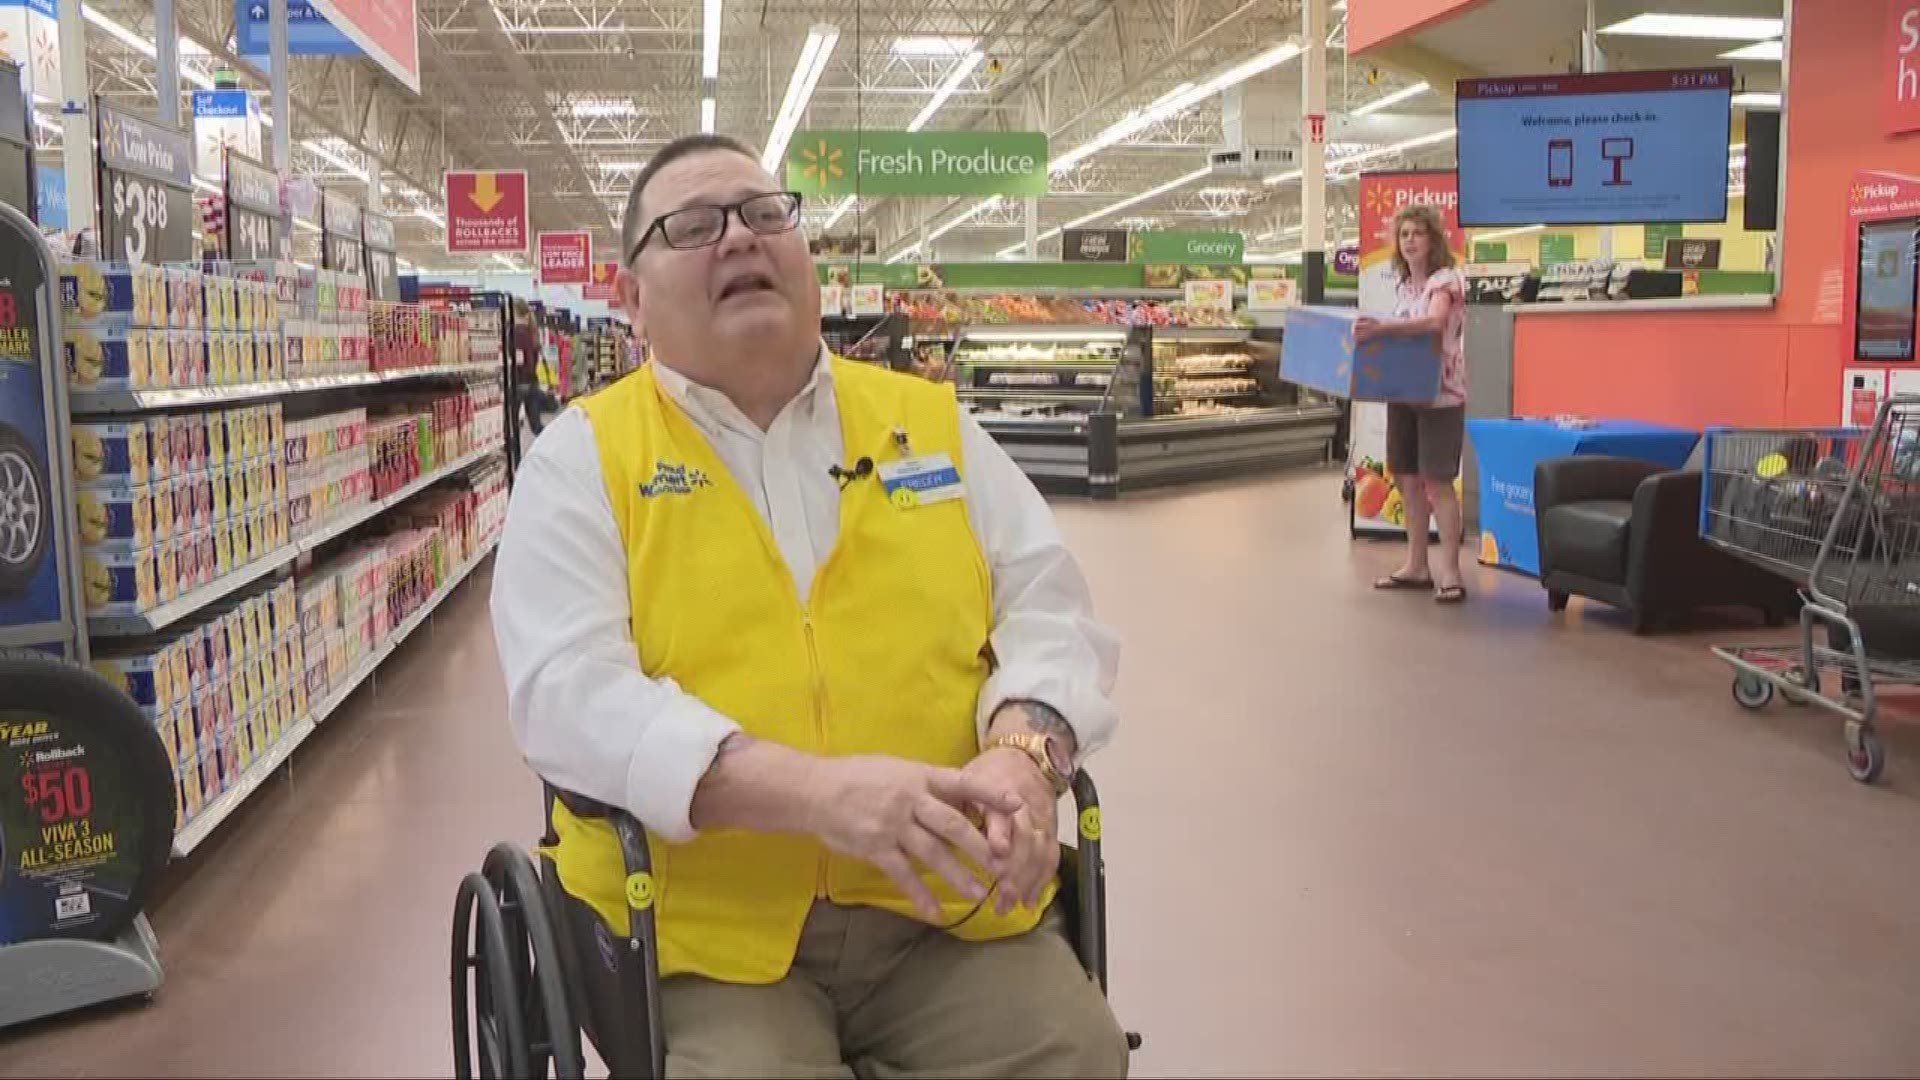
260	535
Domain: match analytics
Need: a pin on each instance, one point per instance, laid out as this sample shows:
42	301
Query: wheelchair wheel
484	1035
553	1037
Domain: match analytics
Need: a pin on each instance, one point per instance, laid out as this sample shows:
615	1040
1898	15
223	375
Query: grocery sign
1186	247
486	212
308	32
388	31
601	287
918	163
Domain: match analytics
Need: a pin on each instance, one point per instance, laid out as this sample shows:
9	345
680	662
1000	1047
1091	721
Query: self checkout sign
383	276
146	189
340	234
253	209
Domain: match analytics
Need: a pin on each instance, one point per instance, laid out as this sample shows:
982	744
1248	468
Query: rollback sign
146	189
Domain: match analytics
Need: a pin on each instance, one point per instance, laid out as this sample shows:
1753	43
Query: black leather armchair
1627	533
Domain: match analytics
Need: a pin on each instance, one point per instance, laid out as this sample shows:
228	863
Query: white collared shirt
589	720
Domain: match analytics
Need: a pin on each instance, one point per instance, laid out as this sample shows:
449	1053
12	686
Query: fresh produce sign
918	163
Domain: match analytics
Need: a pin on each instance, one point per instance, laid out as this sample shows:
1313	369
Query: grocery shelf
1032	392
114	402
196	831
347	522
325	707
180	607
191	601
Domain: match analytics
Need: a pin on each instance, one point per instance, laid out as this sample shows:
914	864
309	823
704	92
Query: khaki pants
872	994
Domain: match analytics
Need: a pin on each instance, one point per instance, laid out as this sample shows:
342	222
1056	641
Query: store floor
1347	832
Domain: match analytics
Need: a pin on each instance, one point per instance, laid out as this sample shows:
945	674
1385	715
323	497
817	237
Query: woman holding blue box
1424	442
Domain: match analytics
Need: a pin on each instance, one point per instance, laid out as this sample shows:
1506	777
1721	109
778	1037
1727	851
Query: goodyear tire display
86	803
26	511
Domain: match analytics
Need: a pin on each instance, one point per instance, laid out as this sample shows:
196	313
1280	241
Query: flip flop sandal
1452	594
1395	581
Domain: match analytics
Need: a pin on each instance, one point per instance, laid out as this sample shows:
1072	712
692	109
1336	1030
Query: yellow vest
887	657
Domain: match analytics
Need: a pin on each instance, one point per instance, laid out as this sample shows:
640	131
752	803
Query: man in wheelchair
805	621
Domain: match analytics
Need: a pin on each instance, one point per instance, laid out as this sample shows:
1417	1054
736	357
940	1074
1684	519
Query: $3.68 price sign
148	222
58	792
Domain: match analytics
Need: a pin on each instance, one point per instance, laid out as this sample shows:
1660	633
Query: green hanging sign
1556	248
1187	248
1012	163
1489	251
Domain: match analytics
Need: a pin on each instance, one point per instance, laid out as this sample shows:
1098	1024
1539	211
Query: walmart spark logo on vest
674	479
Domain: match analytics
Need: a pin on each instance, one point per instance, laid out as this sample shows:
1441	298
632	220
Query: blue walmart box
1318	351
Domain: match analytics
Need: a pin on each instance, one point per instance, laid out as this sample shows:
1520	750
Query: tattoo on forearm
1045	719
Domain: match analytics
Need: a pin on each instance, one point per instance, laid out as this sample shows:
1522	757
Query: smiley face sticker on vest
672	478
921	481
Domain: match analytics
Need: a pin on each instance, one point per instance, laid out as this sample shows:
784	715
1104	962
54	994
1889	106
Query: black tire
1557	601
553	1034
1866	754
488	1041
26	511
75	717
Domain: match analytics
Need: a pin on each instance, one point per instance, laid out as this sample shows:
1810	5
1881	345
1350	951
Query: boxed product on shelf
111	357
119	582
117	515
93	290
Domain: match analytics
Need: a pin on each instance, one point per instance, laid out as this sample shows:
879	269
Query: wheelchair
534	969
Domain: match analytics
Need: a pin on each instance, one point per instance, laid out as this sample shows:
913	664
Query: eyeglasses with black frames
704	226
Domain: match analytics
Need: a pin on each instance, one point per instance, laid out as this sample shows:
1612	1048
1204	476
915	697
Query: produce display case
876	339
1097	409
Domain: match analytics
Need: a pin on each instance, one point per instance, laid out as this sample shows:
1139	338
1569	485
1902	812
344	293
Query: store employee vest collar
887	657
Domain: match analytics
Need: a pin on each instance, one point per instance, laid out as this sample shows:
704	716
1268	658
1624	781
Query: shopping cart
1838	513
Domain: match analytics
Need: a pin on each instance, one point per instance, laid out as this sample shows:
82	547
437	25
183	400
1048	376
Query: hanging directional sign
388	31
486	212
308	32
383	271
253	209
566	258
340	247
602	285
146	189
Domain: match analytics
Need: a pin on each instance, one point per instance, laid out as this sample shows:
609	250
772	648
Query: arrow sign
486	192
602	287
487	212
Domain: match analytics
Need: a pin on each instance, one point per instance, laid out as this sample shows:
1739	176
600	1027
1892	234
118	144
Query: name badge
921	481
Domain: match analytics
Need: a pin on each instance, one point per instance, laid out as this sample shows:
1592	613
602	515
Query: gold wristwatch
1044	752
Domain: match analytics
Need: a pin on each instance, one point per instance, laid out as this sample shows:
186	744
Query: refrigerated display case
1096	410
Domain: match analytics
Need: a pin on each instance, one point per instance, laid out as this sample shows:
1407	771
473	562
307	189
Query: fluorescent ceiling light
142	46
426	214
600	107
931	46
1150	193
706	115
1773	51
806	75
1756	100
961	69
1174	102
206	185
1504	233
326	153
580	29
1388	101
1341	163
710	40
839	212
1706	27
303	223
510	264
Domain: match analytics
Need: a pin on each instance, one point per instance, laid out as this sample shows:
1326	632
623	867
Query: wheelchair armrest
1090	872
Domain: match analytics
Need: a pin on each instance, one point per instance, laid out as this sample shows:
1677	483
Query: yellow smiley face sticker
639	891
1771	466
904	498
1090	823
